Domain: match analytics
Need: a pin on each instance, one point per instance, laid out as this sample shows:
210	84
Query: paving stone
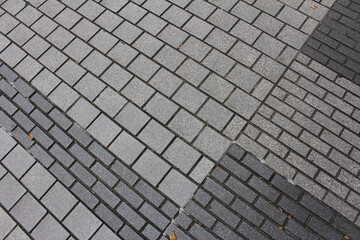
24	121
78	49
83	174
91	10
246	109
225	214
108	20
248	212
220	40
8	125
109	217
345	226
270	211
147	44
90	86
222	19
215	114
218	62
28	15
81	222
149	193
128	233
274	231
244	54
106	194
324	163
269	45
28	68
132	118
41	137
60	37
110	102
7	224
152	24
268	24
45	82
63	96
83	112
292	17
264	189
199	232
197	27
85	29
245	11
335	141
245	32
127	32
132	12
170	209
299	231
294	144
12	55
44	26
138	67
154	216
201	9
169	58
311	187
131	216
165	82
116	76
319	226
105	232
61	155
84	195
219	174
96	62
28	206
18	233
249	232
314	142
126	148
80	135
59	201
127	193
22	137
302	164
269	68
200	214
318	14
101	153
18	161
67	18
243	78
104	174
11	191
201	170
173	36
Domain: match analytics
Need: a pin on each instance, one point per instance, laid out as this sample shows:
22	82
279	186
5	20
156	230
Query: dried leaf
180	46
281	228
270	185
314	7
280	209
346	237
289	216
172	236
31	137
221	166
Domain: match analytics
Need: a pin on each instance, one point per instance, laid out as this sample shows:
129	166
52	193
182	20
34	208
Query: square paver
59	201
96	62
109	20
85	29
220	40
90	86
10	191
192	72
91	9
103	41
201	8
222	19
181	155
44	26
156	6
63	96
177	187
198	27
202	170
176	15
293	37
60	37
45	82
173	36
245	11
218	62
186	125
104	130
243	78
12	55
151	167
217	87
20	34
161	108
245	32
165	82
270	6
70	72
28	68
6	223
18	161
116	76
28	15
81	222
147	44
248	104
78	49
292	17
189	97
110	101
169	57
7	143
38	180
269	45
83	112
122	54
268	24
138	92
269	68
53	58
132	12
132	118
49	228
127	32
67	18
152	24
126	148
215	114
28	212
7	23
244	54
115	6
195	48
51	8
143	67
156	136
36	46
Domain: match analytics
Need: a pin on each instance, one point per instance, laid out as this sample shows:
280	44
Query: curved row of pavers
242	198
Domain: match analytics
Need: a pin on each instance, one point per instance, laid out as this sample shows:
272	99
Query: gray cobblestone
104	174
83	194
344	161
62	175
219	62
239	188
105	194
341	207
80	135
127	32
245	11
197	27
270	211
83	174
244	54
61	155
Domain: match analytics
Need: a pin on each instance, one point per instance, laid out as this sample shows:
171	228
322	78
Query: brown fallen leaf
172	236
281	228
280	209
346	237
221	166
314	7
31	137
289	216
180	46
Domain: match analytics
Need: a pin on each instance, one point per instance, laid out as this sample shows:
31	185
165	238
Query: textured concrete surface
132	104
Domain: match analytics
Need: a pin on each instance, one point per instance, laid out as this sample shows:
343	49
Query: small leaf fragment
314	7
180	46
172	236
289	216
31	137
281	228
346	237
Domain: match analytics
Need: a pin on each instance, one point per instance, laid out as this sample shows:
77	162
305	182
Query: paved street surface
219	119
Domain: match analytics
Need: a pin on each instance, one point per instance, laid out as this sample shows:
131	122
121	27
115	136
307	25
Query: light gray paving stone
186	125
177	187
156	6
81	222
234	127
36	46
222	19
338	103
218	62
169	57
96	63
18	233
8	143
243	78
103	41
156	136
148	44
315	142
328	73
173	36
335	141
246	109
268	24
11	191
293	37
305	71
12	55
38	180
122	54
116	76
344	161
341	207
226	5
201	8
28	206
104	130
7	224
269	45
323	163
126	148
151	167
245	11
127	32
292	88
292	17
202	169
192	72
272	145
28	15
67	18
212	143
262	89
351	138
330	183
59	201
181	155
269	68
220	40
110	101
83	112
132	118
197	27
318	13
114	6
152	24
132	13
300	105
18	161
91	9
63	96
51	8
45	82
215	114
301	164
161	108
20	34
108	20
4	42
138	92
165	82
85	29
272	7
189	97
49	228
309	185
176	15
245	32
53	58
105	232
287	124
72	4
143	67
217	87
294	144
90	86
44	26
70	72
195	48
77	50
287	55
7	23
244	54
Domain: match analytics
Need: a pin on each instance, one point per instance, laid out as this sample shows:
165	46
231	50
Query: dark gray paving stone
200	214
42	138
62	174
6	122
274	231
247	212
131	216
22	137
81	154
83	174
218	190
315	206
84	195
80	135
154	216
320	227
270	210
60	136
286	187
241	189
106	194
149	193
108	217
223	213
250	232
41	102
